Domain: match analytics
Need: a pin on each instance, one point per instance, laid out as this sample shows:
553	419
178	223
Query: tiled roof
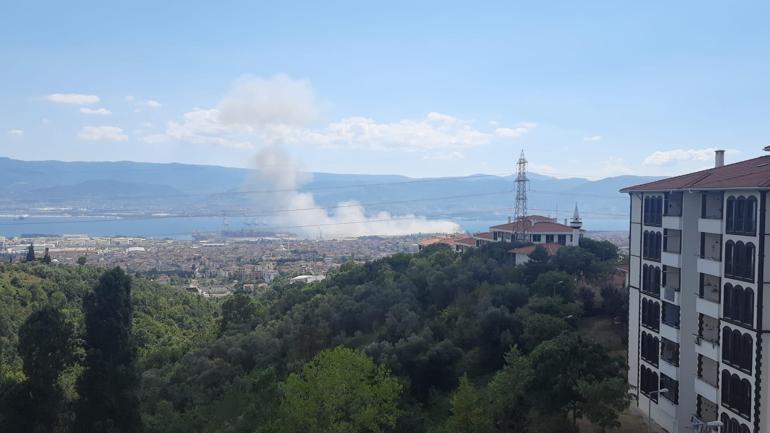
550	248
539	226
468	242
486	236
752	173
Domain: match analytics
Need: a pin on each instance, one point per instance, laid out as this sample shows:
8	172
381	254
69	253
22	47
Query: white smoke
348	219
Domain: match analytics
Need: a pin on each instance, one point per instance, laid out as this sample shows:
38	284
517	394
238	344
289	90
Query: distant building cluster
538	230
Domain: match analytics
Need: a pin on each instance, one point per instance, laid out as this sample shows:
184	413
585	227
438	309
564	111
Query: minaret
576	222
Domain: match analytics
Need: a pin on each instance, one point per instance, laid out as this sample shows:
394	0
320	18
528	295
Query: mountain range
28	187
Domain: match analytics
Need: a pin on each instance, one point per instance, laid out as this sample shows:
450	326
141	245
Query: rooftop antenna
520	211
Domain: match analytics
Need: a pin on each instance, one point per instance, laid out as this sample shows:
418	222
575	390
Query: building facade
697	326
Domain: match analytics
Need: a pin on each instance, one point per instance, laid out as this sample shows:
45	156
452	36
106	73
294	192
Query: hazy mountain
182	188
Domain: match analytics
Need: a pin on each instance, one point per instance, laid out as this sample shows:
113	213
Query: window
738	304
731	425
736	393
669	351
653	211
711	205
650	348
672	204
737	349
651	314
537	238
741	218
549	238
649	383
651	279
739	260
672	385
562	239
670	315
652	245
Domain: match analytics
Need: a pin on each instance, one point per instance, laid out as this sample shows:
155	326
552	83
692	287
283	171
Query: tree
46	348
340	391
586	297
239	313
47	257
107	388
82	260
554	283
603	250
576	261
577	377
469	410
30	253
509	401
540	327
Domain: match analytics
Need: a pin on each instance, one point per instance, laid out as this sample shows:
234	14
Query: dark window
651	314
562	239
653	211
549	238
741	215
738	304
669	351
736	394
650	348
672	385
536	238
649	383
737	349
670	314
739	260
652	245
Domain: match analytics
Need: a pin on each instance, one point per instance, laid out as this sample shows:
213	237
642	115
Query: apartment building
698	342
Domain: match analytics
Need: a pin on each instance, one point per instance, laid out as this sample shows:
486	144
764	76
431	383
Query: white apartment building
697	326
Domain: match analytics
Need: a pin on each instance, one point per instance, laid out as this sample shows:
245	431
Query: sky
589	89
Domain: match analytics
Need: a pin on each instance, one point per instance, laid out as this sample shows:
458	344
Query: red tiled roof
432	241
752	173
486	236
550	248
467	242
537	227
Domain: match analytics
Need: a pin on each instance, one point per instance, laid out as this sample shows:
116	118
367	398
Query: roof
752	173
432	241
550	248
468	242
534	224
485	236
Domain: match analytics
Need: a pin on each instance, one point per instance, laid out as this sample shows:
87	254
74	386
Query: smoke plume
274	168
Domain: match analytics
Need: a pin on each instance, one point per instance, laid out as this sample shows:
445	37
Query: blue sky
588	89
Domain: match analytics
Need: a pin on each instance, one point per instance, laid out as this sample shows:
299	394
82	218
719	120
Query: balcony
708	225
669	332
706	347
706	390
672	222
668	369
709	308
709	266
671	259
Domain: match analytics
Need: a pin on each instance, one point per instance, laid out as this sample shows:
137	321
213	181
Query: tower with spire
576	222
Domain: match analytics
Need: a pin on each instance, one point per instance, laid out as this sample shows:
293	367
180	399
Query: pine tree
31	253
47	257
46	349
108	402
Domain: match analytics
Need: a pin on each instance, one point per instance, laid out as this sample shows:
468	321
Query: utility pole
520	211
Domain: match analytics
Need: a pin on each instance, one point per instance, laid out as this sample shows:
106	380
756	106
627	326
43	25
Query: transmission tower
520	211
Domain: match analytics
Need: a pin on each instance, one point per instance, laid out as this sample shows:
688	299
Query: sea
185	228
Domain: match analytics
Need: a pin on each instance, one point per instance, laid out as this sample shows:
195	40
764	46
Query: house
521	254
698	331
541	230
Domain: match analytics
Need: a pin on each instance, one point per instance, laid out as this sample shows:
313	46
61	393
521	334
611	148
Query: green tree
554	283
47	257
540	327
46	348
340	391
107	389
603	250
508	390
573	376
82	260
239	313
30	253
469	410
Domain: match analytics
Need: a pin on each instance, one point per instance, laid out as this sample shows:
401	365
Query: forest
433	342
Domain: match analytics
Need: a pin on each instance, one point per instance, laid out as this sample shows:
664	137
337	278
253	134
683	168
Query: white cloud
669	157
16	132
73	98
445	156
515	132
96	111
592	138
102	133
129	98
277	111
258	102
151	103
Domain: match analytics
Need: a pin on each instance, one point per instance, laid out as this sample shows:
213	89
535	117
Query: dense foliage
434	341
